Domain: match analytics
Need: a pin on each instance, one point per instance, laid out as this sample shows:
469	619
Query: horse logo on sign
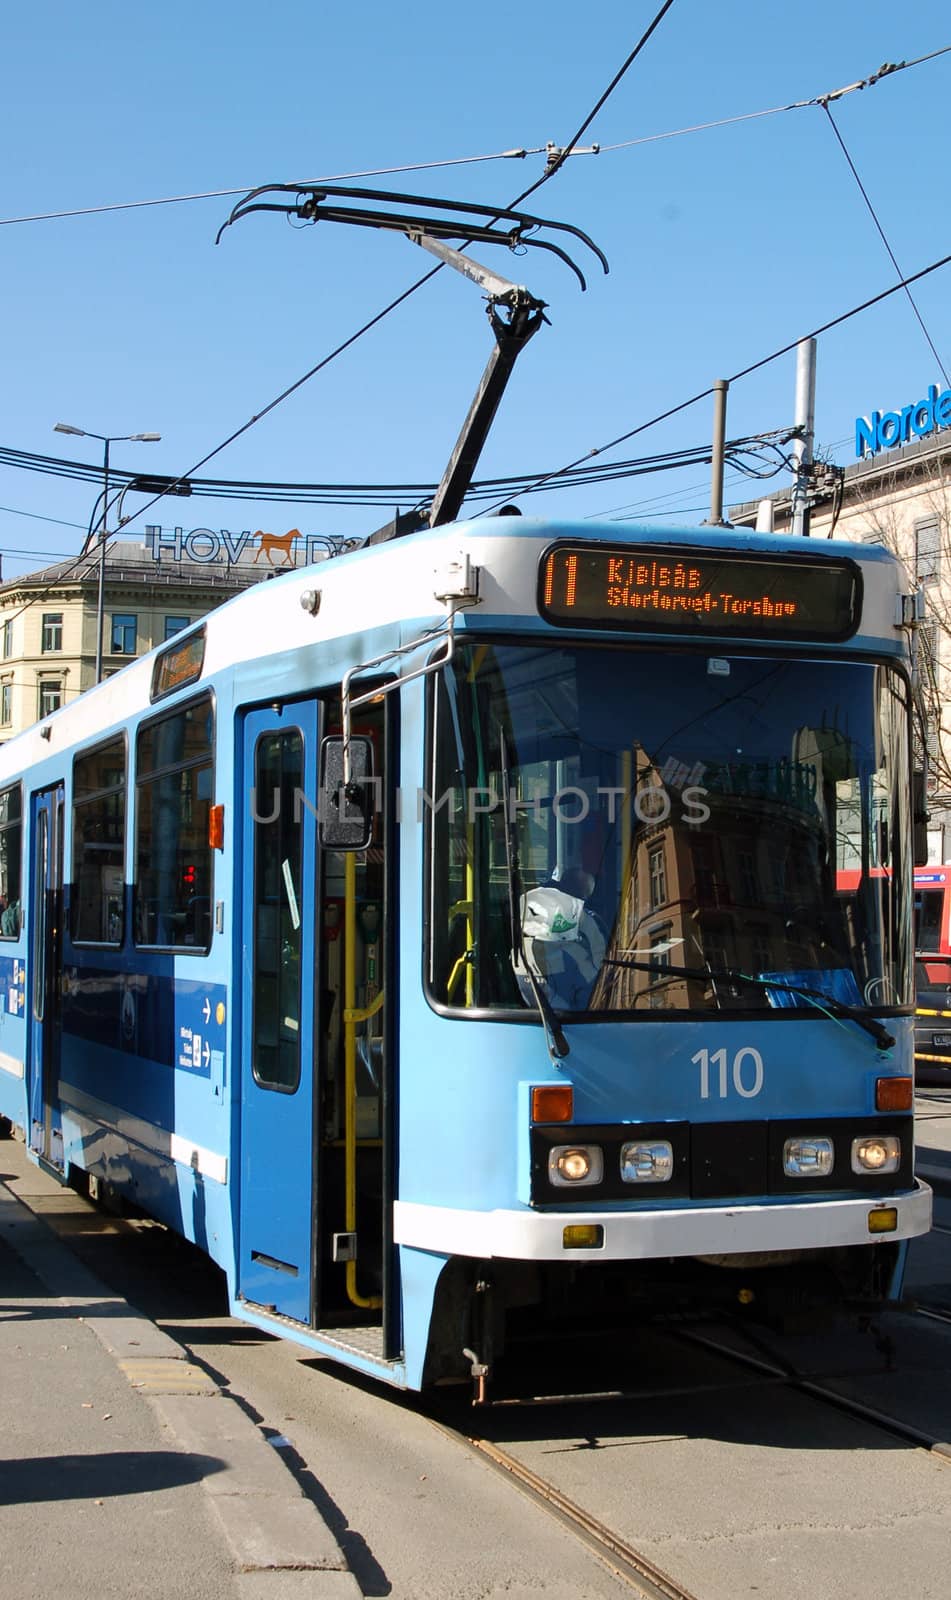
277	541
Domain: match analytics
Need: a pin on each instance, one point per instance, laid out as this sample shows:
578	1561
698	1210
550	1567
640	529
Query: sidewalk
123	1468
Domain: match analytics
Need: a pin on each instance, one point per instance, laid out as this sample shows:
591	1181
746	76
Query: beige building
901	498
48	621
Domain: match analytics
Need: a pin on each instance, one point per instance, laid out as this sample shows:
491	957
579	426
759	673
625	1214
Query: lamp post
105	440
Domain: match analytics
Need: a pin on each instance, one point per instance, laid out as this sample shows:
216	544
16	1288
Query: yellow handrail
351	1017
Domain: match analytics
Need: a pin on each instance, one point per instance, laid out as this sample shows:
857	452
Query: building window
174	625
6	703
749	879
659	958
10	841
7	640
173	858
657	871
52	637
124	626
97	896
51	696
927	550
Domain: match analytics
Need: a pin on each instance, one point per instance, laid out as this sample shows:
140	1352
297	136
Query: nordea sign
884	429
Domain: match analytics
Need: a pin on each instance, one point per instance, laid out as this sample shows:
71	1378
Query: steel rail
855	1408
634	1568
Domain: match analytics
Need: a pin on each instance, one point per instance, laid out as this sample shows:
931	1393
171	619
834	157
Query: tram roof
391	584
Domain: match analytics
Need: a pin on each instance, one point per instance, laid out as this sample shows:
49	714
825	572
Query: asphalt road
730	1480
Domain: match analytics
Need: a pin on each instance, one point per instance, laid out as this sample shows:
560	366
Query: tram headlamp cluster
808	1158
647	1161
574	1165
641	1161
879	1152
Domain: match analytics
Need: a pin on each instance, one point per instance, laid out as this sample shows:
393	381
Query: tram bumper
642	1234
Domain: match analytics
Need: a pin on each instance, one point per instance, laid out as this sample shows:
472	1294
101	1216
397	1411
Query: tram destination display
715	592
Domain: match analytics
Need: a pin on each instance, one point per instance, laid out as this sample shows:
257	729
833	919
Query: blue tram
499	927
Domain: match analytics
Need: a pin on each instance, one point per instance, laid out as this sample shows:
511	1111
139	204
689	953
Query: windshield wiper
558	1046
838	1008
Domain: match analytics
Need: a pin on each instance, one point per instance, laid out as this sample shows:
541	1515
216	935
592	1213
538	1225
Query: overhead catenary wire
517	153
755	366
419	282
884	238
401	298
556	158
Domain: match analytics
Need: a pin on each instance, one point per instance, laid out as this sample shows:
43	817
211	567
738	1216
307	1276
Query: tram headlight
808	1158
876	1152
647	1161
573	1165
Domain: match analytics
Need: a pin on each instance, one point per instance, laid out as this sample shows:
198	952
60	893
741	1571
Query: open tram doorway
315	1174
44	974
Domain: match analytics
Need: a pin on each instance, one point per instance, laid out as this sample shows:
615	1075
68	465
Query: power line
385	493
882	235
12	511
518	153
886	71
393	304
704	394
427	276
218	194
557	159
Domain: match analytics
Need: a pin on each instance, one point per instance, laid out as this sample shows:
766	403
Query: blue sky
724	244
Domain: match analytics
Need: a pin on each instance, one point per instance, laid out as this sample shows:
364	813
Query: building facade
49	622
900	498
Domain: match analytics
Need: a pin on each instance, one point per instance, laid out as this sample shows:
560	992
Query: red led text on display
715	593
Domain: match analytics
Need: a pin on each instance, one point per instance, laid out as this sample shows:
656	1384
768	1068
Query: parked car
933	1018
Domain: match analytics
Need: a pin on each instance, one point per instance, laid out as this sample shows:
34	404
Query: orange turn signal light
216	827
553	1102
894	1094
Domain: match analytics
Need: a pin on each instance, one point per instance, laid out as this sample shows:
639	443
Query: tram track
629	1564
776	1368
760	1368
934	1313
765	1369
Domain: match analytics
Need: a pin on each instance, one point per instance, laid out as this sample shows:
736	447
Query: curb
281	1545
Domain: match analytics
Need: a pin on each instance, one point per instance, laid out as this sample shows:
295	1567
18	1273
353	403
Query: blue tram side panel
608	1007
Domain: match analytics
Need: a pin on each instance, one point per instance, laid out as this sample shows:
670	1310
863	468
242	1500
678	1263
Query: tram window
11	838
97	895
173	859
278	911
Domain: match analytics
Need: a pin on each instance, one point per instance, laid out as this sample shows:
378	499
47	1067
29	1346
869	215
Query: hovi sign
884	429
206	546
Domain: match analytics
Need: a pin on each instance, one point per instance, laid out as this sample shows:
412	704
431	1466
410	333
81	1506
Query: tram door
278	896
45	972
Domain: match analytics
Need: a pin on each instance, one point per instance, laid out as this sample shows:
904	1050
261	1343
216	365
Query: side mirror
345	815
919	818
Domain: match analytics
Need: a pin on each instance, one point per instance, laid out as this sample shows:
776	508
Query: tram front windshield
680	830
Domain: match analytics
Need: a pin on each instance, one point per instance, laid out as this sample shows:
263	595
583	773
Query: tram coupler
480	1373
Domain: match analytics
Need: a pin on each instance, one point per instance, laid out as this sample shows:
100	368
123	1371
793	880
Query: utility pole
805	415
715	519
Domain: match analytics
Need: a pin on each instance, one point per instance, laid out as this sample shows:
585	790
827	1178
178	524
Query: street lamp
105	440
